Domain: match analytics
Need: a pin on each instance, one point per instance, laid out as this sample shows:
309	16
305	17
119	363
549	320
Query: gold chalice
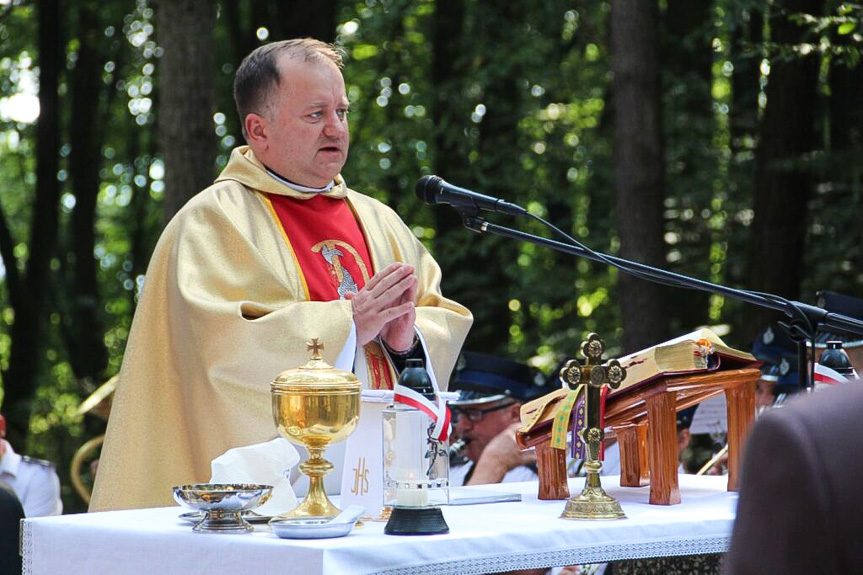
315	405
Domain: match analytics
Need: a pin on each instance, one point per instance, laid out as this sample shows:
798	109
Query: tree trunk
841	230
301	18
87	354
743	117
450	144
782	189
242	39
27	334
690	124
846	93
187	69
638	160
499	25
450	155
499	166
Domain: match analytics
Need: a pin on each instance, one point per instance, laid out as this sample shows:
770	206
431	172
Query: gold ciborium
315	405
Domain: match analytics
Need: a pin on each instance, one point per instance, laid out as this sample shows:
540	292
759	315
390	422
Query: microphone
434	190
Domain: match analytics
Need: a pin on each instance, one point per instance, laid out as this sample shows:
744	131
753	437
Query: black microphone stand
804	318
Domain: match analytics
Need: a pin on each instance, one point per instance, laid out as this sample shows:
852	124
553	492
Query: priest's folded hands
385	307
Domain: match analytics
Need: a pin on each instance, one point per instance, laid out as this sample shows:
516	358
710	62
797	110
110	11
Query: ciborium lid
315	374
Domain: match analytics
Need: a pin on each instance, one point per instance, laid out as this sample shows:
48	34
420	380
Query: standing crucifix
593	503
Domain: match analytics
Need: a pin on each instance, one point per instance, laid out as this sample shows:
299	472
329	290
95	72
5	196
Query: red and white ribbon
824	374
437	410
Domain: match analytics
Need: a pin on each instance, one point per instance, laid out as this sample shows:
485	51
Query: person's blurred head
852	343
491	391
292	103
765	386
684	422
778	354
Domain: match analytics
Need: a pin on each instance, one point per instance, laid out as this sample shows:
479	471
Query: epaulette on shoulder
42	462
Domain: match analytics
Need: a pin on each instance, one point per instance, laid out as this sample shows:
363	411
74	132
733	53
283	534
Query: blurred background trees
722	140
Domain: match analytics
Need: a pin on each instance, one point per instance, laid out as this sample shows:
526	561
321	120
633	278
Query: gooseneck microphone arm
478	224
804	318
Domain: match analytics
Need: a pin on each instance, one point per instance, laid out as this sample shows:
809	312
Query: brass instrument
97	403
75	473
457	448
713	460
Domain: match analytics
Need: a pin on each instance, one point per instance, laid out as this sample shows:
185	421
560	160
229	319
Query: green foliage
838	34
391	129
526	115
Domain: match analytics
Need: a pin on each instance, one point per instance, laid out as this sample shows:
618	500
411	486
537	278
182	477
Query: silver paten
310	528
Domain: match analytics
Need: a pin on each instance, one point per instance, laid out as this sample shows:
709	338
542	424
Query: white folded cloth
265	463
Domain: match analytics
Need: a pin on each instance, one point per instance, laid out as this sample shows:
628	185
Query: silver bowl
222	504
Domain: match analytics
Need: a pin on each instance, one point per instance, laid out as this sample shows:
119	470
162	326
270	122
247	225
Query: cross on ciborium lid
316	372
315	347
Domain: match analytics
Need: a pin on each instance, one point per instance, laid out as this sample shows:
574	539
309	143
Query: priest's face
305	124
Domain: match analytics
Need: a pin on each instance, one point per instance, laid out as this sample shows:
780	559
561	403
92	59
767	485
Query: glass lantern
415	456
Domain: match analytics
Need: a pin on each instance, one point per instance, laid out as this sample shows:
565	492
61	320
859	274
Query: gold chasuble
228	303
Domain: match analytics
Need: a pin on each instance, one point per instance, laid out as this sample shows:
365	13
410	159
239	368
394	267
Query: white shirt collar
301	188
10	461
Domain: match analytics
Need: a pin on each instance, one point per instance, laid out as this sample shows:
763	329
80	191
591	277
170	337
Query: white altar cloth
482	538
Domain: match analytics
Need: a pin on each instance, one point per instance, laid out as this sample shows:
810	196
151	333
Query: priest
277	251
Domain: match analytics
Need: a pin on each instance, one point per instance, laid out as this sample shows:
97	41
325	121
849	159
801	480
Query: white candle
409	445
412	497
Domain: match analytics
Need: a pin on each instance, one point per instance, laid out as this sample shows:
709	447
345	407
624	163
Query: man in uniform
34	481
278	251
486	413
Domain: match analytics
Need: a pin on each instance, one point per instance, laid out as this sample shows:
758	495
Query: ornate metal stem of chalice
313	406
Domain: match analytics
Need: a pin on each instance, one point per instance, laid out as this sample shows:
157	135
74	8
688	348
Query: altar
483	538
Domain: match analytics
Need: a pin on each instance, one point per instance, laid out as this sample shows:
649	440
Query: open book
699	351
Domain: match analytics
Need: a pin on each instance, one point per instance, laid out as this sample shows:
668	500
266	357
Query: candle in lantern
412	497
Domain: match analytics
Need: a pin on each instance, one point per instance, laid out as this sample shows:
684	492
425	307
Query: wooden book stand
644	421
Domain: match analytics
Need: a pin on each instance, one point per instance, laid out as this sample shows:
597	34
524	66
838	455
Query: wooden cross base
644	421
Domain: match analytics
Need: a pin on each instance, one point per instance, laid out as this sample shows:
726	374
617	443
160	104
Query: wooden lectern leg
662	448
740	402
551	464
634	471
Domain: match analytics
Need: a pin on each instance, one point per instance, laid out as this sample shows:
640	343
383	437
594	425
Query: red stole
332	256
